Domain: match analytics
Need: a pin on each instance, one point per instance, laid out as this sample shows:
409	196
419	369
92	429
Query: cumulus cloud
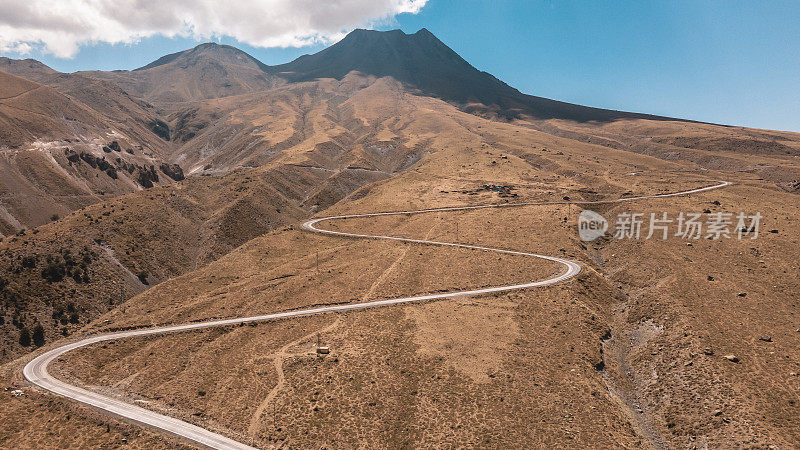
61	27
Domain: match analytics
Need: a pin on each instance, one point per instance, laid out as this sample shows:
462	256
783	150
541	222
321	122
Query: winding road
36	370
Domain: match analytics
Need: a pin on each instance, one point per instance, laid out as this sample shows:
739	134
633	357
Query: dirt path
21	93
277	360
371	291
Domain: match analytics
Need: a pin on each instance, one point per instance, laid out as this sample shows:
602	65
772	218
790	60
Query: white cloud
61	27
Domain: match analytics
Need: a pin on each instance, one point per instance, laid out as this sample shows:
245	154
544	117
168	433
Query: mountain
30	111
419	60
58	154
210	51
129	115
422	61
207	71
30	69
386	121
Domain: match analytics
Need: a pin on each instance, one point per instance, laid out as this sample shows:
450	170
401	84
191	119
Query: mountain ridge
421	61
207	49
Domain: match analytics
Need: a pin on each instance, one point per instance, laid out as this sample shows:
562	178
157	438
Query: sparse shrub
67	255
142	277
113	146
87	256
74	318
144	180
89	159
147	176
54	271
173	171
161	129
103	165
24	337
38	335
29	262
77	276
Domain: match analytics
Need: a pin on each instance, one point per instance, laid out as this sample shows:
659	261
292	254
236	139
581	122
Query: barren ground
629	354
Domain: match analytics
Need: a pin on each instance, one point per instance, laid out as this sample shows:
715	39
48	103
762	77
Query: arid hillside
126	113
359	123
580	364
325	140
207	71
657	343
58	154
31	111
62	275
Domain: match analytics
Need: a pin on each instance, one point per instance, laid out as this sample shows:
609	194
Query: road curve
36	370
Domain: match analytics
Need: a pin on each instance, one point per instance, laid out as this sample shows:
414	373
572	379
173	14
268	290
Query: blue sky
730	62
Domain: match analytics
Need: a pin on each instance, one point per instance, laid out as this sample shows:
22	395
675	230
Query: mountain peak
380	53
359	31
215	48
26	68
422	61
207	51
210	45
419	60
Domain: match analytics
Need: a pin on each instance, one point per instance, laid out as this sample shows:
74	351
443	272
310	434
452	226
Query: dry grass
513	370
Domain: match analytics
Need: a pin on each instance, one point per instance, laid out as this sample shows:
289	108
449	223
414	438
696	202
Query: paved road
36	370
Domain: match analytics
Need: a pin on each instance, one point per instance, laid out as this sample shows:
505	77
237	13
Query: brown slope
536	354
359	122
30	69
96	254
206	71
530	364
30	111
52	146
130	116
338	151
768	153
